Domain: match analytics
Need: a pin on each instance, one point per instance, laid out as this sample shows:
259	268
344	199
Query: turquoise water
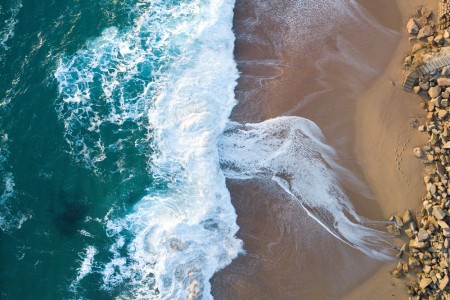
107	129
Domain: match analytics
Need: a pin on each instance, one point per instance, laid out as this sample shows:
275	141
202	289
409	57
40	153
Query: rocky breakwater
425	254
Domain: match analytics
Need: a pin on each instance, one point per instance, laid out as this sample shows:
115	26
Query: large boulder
412	27
425	32
434	91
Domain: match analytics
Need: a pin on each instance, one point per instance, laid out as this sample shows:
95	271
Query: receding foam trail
291	151
170	74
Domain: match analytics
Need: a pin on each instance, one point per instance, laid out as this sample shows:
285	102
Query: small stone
407	217
418	152
398	221
425	282
446	232
409	233
442	113
397	273
445	71
421	21
446	34
405	268
425	12
416	244
443	225
446	145
416	47
423	235
431	188
416	89
424	85
439	39
443	81
438	213
434	92
425	32
393	230
443	282
412	27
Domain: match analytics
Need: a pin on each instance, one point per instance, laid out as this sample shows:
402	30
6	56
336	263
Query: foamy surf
291	151
166	85
170	76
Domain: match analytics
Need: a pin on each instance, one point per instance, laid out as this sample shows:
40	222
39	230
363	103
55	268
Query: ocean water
115	144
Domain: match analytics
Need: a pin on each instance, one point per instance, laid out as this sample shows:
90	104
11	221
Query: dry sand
384	134
348	92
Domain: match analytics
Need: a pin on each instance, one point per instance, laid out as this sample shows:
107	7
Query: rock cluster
426	254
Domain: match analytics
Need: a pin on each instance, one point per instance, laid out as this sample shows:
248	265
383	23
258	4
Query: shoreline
295	86
384	120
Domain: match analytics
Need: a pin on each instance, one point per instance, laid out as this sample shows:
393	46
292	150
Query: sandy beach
347	79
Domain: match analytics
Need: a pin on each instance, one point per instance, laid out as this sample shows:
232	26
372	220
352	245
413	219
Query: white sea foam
86	263
9	218
7	29
171	74
291	151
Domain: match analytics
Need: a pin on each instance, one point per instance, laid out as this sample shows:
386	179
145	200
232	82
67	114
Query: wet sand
341	77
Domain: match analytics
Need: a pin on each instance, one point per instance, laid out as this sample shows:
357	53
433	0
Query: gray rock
416	244
439	39
425	12
407	217
425	32
443	225
423	235
445	71
412	27
438	213
421	21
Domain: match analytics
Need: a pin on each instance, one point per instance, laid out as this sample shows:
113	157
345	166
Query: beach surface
339	67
